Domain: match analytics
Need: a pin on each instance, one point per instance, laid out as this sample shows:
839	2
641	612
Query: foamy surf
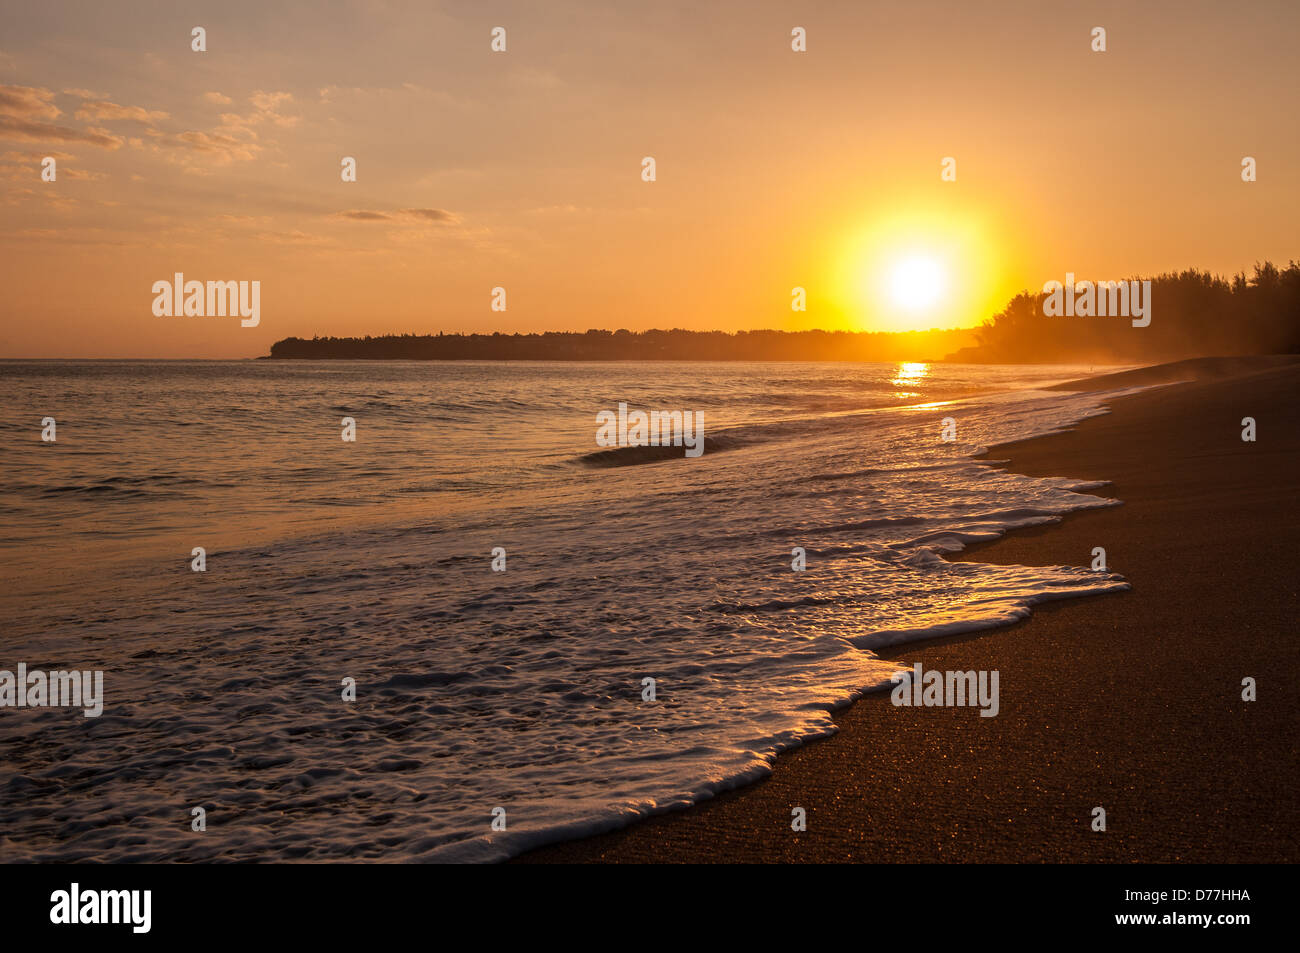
522	690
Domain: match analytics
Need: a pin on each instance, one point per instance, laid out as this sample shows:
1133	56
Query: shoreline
1130	701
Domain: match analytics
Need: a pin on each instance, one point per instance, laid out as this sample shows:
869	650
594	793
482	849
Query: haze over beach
621	434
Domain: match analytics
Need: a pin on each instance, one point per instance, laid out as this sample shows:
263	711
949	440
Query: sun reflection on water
909	373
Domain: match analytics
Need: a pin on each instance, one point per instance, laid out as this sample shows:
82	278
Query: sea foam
520	690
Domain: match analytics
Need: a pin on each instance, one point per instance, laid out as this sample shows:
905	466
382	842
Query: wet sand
1131	701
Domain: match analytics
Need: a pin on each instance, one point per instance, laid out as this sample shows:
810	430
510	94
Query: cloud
24	109
45	194
20	166
535	79
85	94
327	93
34	154
104	111
431	215
14	196
27	102
335	94
436	215
219	146
31	131
267	108
233	140
66	236
292	237
58	200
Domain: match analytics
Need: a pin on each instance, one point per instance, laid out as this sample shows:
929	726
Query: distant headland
621	345
1184	315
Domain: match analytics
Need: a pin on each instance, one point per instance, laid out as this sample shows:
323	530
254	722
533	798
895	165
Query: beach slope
1131	702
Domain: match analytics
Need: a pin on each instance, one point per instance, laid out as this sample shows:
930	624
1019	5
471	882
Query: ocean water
476	690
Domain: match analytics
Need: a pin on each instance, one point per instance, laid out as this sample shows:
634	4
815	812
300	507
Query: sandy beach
1131	701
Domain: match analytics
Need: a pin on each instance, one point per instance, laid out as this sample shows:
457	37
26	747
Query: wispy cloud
25	109
434	215
218	147
235	139
15	156
293	237
26	166
28	102
439	215
267	107
31	131
103	111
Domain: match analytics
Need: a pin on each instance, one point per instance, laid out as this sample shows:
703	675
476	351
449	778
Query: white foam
522	690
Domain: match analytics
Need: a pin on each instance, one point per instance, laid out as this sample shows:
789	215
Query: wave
634	456
122	487
477	688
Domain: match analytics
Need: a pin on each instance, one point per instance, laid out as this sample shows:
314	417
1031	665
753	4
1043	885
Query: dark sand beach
1130	701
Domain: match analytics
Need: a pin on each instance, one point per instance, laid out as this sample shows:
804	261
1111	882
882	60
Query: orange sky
522	169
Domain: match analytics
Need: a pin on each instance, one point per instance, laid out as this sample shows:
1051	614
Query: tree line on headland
622	345
1193	314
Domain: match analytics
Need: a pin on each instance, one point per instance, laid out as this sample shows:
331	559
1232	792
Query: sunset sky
522	169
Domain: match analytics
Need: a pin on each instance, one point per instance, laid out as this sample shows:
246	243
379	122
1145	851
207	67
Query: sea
472	630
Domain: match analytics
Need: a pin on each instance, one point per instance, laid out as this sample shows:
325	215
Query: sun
918	266
917	283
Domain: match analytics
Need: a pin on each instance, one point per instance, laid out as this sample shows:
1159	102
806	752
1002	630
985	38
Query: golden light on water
909	374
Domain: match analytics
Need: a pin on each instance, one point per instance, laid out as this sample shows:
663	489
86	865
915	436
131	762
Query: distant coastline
597	345
1195	313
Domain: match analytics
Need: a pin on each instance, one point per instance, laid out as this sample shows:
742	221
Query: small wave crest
634	456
